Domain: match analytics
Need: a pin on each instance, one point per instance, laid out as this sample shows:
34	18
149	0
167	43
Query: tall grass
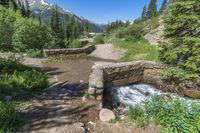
137	49
9	117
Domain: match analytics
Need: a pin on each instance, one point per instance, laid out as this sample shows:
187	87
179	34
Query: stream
134	94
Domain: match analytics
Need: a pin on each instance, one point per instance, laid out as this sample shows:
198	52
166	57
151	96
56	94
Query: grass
137	49
18	80
21	83
9	117
175	116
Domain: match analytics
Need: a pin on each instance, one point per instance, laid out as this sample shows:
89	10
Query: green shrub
75	44
182	31
177	74
137	114
9	117
11	64
17	78
99	39
137	49
29	80
30	34
135	30
176	116
35	53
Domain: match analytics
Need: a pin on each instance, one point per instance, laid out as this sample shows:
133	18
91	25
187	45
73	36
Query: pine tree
28	12
152	9
86	26
163	6
144	13
182	29
56	27
23	10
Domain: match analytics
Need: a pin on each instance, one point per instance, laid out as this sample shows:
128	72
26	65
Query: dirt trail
60	108
106	53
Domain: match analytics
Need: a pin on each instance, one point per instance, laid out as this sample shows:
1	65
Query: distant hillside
42	9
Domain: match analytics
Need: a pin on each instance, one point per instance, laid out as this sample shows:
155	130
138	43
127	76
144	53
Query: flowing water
134	94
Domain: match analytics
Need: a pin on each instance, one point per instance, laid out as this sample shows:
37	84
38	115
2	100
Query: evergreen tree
152	9
23	10
56	27
163	6
86	26
28	12
144	13
182	29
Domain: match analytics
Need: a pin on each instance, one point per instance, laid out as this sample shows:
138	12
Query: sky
104	11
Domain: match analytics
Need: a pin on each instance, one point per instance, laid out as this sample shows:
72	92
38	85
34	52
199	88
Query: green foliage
75	43
9	117
152	9
115	25
87	94
137	114
11	64
135	30
182	29
35	53
99	39
137	49
7	19
177	74
144	13
30	34
17	78
176	116
163	6
18	33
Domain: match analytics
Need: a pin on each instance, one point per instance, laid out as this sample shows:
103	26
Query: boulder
106	115
195	94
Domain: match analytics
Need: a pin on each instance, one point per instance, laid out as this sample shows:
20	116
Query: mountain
42	9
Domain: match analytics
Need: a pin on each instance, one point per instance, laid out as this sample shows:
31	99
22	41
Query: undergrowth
176	116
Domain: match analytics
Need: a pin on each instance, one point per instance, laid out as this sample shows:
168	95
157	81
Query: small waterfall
134	94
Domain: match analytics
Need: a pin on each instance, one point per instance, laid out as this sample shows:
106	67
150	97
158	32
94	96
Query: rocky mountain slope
42	9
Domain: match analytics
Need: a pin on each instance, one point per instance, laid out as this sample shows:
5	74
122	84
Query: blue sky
104	11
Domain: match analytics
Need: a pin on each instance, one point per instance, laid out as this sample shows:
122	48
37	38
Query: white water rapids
134	94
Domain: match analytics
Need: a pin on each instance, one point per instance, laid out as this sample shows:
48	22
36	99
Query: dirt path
60	108
106	53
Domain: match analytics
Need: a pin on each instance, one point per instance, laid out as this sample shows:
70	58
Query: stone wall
120	74
109	75
71	51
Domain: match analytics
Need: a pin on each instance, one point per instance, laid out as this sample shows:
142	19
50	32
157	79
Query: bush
176	116
11	64
35	53
9	117
30	34
99	39
177	74
182	31
17	79
75	43
7	20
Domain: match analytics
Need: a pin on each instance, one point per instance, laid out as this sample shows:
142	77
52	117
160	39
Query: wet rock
8	98
167	97
106	115
195	94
